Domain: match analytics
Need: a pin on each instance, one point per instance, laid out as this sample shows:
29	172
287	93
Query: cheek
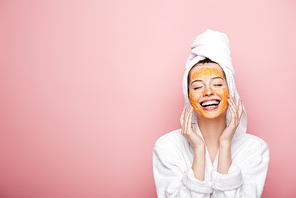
222	93
194	98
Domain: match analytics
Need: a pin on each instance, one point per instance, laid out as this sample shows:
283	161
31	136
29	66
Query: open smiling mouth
210	105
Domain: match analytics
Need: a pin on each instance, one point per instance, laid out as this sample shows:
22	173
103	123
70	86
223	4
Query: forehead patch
206	73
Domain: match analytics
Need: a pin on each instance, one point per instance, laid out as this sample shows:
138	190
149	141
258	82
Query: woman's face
208	90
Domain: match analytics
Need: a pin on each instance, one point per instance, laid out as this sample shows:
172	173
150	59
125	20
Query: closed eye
219	85
195	88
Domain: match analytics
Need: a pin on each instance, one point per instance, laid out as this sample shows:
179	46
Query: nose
208	92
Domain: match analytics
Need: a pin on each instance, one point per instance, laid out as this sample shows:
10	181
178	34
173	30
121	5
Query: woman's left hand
236	114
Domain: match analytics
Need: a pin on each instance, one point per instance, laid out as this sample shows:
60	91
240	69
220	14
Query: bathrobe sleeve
173	179
247	174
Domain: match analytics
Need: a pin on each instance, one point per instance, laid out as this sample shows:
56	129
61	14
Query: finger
231	107
189	123
186	119
182	116
232	112
233	103
240	108
182	120
185	114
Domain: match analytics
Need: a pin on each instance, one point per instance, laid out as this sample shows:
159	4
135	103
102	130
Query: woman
211	155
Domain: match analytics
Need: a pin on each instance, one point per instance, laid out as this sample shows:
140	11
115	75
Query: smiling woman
211	155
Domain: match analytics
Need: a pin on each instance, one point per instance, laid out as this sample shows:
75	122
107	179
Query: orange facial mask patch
206	73
194	97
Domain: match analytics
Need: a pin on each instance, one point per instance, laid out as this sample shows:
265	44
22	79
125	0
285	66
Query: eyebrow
217	77
196	81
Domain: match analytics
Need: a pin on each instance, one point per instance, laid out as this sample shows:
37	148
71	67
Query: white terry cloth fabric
172	161
173	155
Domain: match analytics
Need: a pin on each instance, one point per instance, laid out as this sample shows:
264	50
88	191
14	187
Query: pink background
87	87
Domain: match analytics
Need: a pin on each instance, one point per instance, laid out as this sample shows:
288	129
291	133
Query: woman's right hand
187	131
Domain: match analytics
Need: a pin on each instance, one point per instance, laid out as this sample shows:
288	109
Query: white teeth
209	102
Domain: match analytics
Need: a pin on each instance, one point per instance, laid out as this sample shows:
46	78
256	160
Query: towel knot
213	45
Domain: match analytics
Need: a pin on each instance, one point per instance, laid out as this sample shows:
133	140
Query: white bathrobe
173	155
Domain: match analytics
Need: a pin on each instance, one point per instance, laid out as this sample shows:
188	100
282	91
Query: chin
212	115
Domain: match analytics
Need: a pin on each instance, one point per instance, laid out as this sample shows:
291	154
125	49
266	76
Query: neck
211	129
